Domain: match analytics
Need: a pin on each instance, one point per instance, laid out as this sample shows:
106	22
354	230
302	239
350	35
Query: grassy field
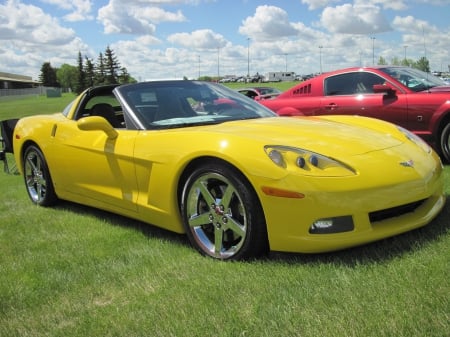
76	271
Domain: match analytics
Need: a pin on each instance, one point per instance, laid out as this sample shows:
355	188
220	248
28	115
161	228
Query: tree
100	72
80	86
48	75
125	77
395	61
382	61
423	64
112	66
89	72
67	76
106	70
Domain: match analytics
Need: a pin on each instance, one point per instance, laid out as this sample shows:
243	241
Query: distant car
201	159
260	93
408	97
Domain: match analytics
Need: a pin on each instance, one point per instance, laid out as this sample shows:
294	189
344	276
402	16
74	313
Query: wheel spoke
218	241
199	220
227	196
236	227
201	185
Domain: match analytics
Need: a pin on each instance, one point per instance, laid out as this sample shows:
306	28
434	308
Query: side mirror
97	123
384	88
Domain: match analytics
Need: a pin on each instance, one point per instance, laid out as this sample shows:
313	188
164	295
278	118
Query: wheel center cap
218	210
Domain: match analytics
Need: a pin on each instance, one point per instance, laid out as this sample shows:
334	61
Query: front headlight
415	139
307	162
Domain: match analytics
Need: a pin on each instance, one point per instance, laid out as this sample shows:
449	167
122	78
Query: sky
167	39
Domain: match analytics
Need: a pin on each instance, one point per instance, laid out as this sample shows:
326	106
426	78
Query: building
13	81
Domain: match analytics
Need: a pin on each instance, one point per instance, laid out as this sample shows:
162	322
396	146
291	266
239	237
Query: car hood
327	137
443	88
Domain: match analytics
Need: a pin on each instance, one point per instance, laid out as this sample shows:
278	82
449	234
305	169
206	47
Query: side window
366	81
343	84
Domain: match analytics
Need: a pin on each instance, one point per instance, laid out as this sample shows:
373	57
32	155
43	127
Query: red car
260	93
408	97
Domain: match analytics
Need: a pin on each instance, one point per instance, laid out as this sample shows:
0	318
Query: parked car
201	159
416	100
260	93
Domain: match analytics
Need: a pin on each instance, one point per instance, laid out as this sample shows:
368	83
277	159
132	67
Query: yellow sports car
198	158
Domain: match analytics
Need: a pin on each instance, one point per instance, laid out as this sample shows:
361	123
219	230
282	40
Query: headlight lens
307	162
415	139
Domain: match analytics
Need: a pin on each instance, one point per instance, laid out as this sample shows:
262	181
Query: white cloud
268	23
42	29
420	35
199	39
354	19
26	44
315	4
119	17
80	9
386	4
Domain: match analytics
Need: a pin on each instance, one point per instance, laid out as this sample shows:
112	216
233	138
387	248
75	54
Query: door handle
331	106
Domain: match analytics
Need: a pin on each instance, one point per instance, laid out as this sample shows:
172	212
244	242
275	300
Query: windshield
267	91
414	79
168	104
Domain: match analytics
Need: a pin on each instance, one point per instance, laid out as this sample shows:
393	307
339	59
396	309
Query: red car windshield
416	80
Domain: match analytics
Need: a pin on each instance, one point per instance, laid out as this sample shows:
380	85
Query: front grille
394	211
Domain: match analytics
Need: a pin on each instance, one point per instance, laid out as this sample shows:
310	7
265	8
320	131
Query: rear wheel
445	143
222	214
37	177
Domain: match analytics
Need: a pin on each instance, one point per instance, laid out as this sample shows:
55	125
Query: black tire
222	215
445	143
37	177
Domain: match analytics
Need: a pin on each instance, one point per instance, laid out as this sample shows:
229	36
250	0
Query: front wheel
445	143
222	214
37	177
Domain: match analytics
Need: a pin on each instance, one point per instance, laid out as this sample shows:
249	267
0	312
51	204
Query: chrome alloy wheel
34	177
37	177
216	215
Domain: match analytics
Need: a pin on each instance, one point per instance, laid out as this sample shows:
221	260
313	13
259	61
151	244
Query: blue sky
157	39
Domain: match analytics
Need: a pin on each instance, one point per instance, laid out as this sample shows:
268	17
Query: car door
97	167
352	94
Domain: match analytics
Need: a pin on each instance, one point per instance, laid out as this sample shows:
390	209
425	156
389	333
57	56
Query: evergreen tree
106	70
89	72
112	66
81	80
100	72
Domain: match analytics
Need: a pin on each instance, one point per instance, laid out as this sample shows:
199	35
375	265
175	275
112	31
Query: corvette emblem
409	163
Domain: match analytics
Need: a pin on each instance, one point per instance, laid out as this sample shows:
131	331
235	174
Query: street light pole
320	58
218	63
285	55
405	52
373	50
248	57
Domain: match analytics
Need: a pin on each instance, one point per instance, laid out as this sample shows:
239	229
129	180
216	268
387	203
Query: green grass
280	85
76	271
32	105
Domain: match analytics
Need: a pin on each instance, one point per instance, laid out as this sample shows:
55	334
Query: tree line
87	73
421	64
